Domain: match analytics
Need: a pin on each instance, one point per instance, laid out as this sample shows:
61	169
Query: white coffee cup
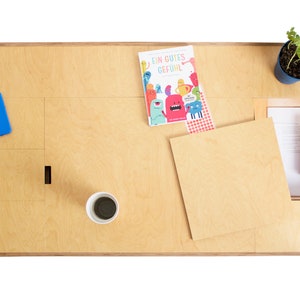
102	207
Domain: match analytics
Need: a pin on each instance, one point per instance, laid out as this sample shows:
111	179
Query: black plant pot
280	74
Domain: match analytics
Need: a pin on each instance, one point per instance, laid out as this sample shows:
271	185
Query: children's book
171	88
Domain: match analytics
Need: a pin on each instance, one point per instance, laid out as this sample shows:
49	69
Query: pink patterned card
202	124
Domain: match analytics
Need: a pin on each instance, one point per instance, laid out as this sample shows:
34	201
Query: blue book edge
5	127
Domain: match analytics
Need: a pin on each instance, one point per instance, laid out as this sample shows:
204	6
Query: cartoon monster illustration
146	78
195	108
168	90
156	112
196	92
158	88
194	79
193	76
150	95
175	109
191	61
144	66
182	88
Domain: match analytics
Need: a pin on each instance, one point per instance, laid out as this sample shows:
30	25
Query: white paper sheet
287	126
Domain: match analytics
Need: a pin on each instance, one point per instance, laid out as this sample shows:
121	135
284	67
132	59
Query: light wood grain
22	176
261	105
96	145
230	111
93	147
80	108
241	242
27	119
22	205
22	226
231	178
225	70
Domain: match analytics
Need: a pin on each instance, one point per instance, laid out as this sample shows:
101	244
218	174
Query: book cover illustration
171	89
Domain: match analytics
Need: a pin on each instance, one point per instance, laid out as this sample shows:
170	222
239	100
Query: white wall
152	20
147	20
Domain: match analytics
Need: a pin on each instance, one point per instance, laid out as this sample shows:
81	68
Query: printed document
287	126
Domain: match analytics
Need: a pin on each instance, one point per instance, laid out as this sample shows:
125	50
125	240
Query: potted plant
287	69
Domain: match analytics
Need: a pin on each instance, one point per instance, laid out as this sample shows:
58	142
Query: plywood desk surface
79	108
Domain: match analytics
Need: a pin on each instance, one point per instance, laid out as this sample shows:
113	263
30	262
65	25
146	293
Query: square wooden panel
234	243
231	178
27	122
21	175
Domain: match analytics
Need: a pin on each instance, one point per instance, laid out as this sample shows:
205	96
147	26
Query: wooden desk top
79	108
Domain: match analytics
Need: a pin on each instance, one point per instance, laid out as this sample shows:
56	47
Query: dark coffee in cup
105	208
102	207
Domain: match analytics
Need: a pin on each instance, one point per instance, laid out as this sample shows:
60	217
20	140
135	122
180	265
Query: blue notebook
5	127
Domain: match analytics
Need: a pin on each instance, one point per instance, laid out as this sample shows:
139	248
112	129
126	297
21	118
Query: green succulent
294	39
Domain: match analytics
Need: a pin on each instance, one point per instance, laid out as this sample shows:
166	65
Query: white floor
148	278
152	20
